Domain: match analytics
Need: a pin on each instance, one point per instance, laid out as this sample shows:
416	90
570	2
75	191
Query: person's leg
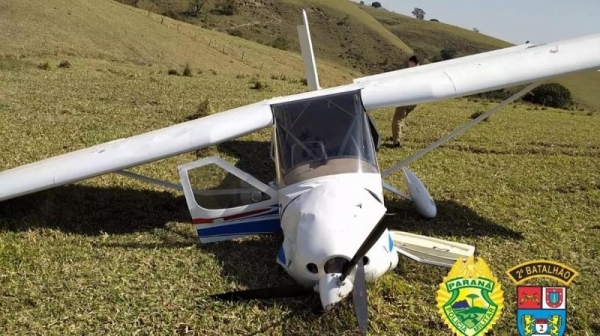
407	110
399	115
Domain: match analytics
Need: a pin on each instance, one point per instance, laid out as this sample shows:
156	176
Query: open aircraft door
226	202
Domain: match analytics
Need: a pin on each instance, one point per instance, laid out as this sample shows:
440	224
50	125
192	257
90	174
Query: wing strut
178	187
149	180
458	131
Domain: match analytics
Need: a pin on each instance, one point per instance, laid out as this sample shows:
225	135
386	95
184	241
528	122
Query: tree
476	30
419	13
195	7
550	94
472	297
227	7
376	4
362	2
281	42
448	53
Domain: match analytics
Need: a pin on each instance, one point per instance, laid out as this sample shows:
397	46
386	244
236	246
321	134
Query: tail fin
308	56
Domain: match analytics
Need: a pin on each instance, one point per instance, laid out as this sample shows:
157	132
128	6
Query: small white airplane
327	196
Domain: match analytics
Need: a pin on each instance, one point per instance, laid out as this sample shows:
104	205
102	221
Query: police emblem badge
470	298
541	310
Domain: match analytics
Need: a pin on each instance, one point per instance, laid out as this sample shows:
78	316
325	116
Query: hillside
113	32
341	33
428	38
356	36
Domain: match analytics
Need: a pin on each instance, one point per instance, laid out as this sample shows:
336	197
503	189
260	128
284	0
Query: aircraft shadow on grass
88	210
251	262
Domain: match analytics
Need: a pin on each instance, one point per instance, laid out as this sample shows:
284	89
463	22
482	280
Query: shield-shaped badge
554	297
541	322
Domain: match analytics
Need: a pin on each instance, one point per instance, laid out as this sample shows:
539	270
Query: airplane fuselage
324	222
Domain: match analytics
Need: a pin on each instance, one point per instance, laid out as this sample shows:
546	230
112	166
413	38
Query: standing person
402	111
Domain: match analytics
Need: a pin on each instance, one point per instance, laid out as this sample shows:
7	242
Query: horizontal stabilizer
430	250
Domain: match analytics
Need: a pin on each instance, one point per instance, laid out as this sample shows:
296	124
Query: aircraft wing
124	153
427	83
480	73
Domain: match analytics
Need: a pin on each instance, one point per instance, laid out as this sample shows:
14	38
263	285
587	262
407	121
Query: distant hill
341	32
116	33
356	36
428	38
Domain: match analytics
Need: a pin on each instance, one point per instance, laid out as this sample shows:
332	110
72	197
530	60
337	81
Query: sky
515	21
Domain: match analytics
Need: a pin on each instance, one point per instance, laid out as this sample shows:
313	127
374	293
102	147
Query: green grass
110	31
344	6
341	33
111	255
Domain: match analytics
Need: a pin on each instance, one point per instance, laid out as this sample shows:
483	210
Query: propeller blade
265	293
359	298
364	248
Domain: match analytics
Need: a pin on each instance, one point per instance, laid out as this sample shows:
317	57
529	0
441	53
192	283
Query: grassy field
351	35
341	33
115	256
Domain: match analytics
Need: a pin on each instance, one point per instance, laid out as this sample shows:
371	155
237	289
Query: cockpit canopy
322	136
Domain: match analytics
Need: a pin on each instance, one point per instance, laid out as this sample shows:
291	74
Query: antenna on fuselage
308	56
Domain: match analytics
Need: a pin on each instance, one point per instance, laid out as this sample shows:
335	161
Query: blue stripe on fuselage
268	225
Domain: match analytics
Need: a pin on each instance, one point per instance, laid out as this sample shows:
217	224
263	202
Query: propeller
359	298
359	290
372	238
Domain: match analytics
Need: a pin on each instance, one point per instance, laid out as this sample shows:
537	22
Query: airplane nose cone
331	221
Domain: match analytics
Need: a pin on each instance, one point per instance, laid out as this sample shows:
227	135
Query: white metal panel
435	82
308	56
332	218
441	65
133	151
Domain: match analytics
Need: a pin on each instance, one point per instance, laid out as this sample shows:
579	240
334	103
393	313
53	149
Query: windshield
323	136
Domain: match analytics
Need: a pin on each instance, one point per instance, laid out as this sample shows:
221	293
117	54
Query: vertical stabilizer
308	56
